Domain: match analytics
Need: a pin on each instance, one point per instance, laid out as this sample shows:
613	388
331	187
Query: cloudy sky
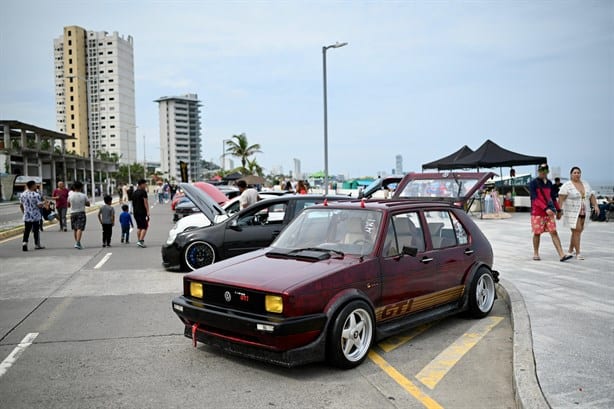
418	78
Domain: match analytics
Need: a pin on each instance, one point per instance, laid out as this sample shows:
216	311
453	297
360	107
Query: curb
527	391
16	231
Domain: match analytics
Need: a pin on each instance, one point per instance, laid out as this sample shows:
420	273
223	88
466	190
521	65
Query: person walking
544	208
106	217
77	201
301	188
60	195
576	197
125	220
140	209
249	196
30	203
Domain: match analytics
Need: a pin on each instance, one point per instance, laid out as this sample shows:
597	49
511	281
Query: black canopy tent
491	155
450	160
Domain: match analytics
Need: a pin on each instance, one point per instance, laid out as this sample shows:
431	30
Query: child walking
106	216
125	220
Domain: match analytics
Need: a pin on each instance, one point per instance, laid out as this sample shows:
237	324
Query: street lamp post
224	153
336	45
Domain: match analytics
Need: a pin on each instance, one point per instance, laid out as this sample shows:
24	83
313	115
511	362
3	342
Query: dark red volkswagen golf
344	275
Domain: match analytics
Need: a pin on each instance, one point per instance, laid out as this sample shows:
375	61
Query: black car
250	229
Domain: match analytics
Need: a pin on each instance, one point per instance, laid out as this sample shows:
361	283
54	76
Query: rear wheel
482	294
351	335
198	254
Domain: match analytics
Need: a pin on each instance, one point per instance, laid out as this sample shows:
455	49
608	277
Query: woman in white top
576	197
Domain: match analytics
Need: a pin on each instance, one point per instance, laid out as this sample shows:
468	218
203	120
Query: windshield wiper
336	252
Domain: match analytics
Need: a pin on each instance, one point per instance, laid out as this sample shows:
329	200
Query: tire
198	254
351	335
482	294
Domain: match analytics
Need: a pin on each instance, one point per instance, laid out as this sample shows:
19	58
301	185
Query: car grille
235	298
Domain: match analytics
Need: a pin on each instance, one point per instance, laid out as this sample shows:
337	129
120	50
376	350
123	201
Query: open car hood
204	202
380	184
455	187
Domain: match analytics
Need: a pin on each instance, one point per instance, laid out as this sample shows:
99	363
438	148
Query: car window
408	231
459	230
440	225
301	204
272	214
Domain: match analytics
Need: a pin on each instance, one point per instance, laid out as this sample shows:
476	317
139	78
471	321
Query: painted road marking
405	383
104	260
431	374
393	343
12	358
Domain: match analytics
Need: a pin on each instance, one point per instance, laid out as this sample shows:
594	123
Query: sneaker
39	247
140	243
104	245
24	247
109	245
78	246
122	240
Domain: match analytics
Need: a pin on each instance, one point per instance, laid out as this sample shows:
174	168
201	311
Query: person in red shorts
544	209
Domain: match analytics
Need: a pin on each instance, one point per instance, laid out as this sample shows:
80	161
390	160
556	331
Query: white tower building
180	135
94	82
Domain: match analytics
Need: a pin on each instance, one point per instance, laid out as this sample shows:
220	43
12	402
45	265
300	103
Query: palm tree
239	147
253	168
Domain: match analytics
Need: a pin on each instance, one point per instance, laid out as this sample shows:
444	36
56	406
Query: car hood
204	202
455	187
257	271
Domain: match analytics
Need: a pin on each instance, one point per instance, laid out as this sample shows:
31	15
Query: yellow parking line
431	374
405	383
393	343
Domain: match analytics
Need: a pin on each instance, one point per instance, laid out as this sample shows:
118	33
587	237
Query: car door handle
468	251
426	260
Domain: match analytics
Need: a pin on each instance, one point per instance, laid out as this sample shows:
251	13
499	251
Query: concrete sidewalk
565	310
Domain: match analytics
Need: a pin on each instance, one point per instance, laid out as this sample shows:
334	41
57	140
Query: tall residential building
94	92
180	135
297	169
398	169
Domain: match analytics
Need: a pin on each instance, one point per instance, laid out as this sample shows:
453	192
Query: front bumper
286	341
171	255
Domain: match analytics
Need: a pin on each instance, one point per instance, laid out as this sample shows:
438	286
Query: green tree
240	148
253	168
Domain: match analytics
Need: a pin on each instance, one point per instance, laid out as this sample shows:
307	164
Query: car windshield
444	187
346	231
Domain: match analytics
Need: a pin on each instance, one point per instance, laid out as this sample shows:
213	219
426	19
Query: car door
254	228
450	248
406	279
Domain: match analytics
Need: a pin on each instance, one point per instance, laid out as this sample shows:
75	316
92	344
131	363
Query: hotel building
94	84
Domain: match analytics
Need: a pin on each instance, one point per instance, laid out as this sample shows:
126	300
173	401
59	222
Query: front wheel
351	335
482	294
198	254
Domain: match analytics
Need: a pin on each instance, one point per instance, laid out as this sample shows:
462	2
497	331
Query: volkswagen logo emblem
227	296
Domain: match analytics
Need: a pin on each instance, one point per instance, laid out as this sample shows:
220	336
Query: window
70	60
459	230
440	226
70	51
69	34
408	233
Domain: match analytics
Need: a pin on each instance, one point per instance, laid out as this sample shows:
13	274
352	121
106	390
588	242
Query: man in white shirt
248	196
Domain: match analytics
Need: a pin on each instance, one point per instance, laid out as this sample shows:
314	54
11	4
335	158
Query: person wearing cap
544	209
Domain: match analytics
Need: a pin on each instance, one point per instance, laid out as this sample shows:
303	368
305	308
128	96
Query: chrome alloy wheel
485	293
356	335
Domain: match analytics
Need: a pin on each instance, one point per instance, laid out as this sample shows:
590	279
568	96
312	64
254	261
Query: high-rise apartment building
94	84
180	135
398	169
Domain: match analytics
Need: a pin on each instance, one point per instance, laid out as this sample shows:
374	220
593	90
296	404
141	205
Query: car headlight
196	289
274	303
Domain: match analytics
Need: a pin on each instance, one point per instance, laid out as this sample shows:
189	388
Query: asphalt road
85	329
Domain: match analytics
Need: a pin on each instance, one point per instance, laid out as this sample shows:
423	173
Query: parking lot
106	337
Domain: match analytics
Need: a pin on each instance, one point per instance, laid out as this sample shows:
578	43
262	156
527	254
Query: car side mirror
234	224
409	251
